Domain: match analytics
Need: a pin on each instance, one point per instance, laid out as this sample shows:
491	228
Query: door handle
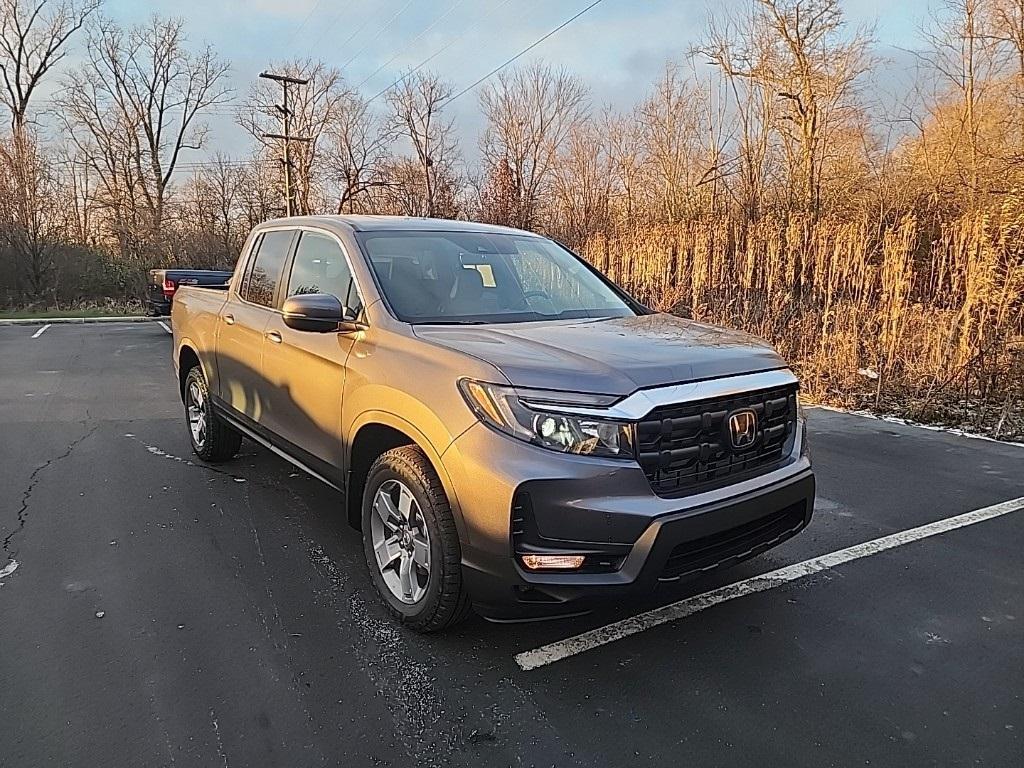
274	336
229	319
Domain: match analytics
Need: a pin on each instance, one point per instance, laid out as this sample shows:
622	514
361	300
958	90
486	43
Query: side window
247	266
320	267
261	284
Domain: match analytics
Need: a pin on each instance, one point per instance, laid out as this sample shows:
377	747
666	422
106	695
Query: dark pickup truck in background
163	283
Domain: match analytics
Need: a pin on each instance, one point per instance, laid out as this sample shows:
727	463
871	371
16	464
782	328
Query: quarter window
246	264
320	267
261	286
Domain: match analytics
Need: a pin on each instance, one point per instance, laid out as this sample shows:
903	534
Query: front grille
735	544
684	448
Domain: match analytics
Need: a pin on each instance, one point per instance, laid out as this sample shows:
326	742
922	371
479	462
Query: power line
216	109
436	53
436	21
305	21
525	50
415	69
380	32
200	164
334	20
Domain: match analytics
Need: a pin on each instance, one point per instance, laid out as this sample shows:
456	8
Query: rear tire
212	438
408	524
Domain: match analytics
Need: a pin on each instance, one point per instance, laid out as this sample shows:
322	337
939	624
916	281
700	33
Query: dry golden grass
926	320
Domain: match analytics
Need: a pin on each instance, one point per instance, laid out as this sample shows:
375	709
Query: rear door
251	303
305	371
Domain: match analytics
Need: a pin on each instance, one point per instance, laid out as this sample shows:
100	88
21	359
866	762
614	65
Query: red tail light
169	288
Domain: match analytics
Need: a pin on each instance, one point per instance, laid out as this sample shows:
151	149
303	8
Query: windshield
465	278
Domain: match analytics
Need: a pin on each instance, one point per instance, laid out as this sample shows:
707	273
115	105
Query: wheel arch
187	358
375	432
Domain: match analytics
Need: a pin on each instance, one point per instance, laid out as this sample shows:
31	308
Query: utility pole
286	137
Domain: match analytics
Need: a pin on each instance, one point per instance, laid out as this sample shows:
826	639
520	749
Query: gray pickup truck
511	432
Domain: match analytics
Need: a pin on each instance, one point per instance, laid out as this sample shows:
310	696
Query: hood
609	357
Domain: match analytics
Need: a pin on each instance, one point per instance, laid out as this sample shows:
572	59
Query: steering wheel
541	294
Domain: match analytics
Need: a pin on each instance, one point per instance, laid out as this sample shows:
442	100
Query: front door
305	371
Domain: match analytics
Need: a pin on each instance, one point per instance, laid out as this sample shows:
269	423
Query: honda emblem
742	428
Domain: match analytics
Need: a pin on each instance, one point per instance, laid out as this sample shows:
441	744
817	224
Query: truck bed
164	284
196	311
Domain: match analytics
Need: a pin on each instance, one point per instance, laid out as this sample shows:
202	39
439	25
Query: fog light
560	562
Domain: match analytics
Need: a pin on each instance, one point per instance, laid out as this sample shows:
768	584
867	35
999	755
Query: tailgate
155	288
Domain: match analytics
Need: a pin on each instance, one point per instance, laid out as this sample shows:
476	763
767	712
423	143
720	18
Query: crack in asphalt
33	480
160	452
433	729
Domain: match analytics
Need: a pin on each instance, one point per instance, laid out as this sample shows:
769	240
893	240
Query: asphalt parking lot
162	612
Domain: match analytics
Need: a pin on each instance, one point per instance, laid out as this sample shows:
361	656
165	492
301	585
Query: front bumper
606	508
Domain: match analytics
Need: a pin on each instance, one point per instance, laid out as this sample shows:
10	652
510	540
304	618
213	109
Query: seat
406	290
467	296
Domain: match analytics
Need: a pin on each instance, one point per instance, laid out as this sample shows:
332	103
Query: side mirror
316	312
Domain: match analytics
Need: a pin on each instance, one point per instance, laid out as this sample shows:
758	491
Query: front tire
410	542
212	438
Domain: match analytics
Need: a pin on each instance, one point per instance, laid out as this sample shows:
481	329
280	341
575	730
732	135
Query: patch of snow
909	423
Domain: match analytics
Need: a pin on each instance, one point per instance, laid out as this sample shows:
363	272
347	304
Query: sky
618	48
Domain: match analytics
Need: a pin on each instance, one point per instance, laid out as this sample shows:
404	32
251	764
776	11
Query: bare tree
403	192
583	182
358	143
499	197
1008	28
135	106
796	51
530	112
738	46
259	193
963	56
33	39
221	183
673	127
209	225
968	140
33	218
625	158
417	106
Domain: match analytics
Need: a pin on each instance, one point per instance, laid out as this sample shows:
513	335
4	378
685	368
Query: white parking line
40	332
595	638
164	326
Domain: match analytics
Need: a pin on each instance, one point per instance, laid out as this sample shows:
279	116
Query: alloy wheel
197	414
401	542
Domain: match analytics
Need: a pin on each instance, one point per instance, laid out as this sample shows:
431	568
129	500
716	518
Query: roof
360	223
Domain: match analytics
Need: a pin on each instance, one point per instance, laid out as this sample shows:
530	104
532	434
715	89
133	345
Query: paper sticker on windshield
486	273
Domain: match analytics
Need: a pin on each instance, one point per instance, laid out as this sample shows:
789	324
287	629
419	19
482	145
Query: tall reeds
927	319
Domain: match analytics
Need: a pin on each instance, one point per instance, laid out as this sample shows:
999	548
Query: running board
257	438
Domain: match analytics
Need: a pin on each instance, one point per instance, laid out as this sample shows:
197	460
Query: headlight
541	423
